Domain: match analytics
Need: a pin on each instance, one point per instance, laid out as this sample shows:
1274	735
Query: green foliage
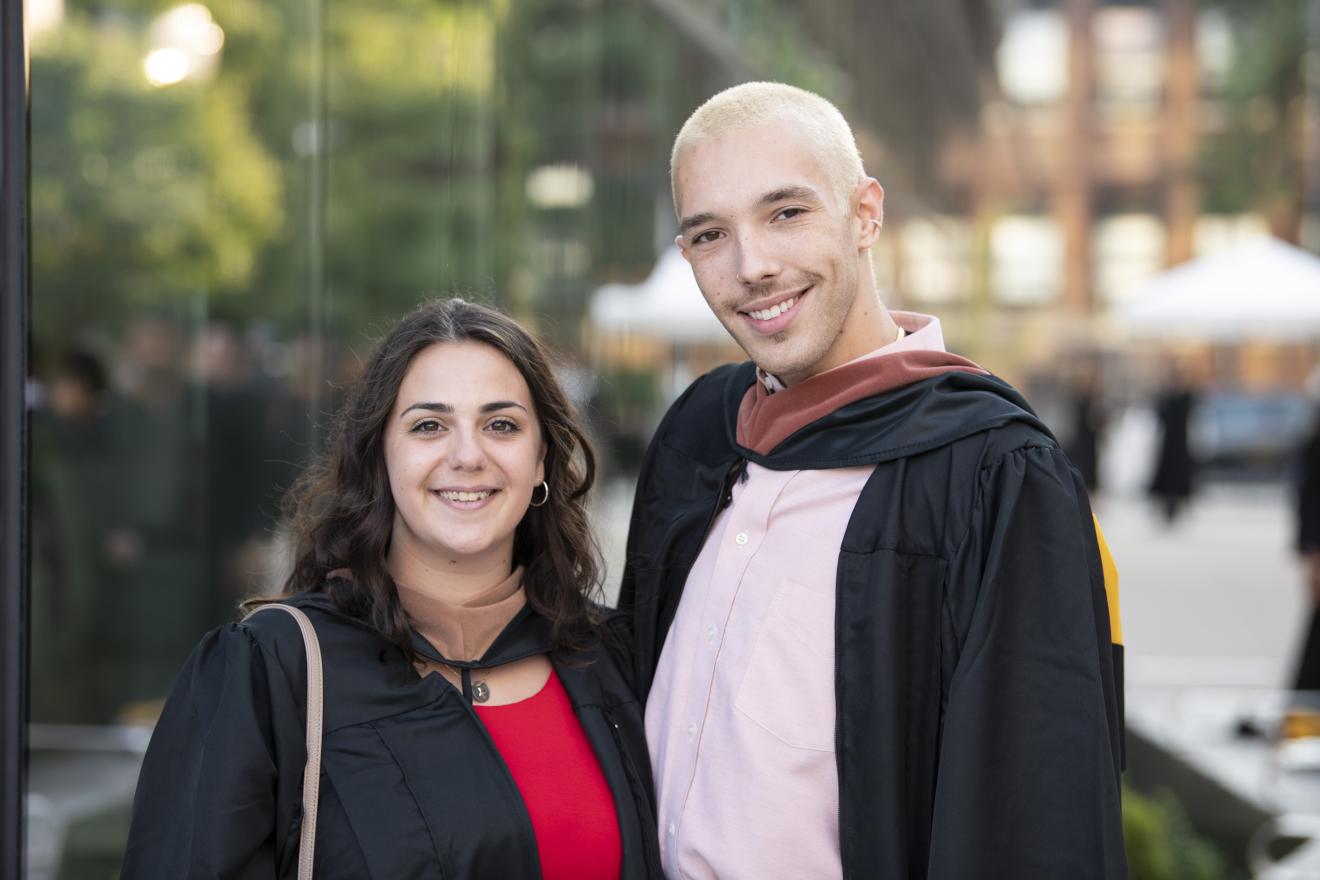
1161	843
1254	163
345	160
141	196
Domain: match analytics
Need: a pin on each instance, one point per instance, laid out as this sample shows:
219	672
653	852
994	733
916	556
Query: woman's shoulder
344	642
270	624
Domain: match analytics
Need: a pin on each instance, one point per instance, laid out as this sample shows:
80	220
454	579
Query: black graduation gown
978	692
1174	470
411	784
1307	675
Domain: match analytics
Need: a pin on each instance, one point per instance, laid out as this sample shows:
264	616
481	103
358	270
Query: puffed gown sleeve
214	798
1031	751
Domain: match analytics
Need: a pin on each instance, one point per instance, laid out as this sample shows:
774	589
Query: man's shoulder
987	419
701	422
715	391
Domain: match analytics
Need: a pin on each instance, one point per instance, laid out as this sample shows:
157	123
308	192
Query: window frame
15	300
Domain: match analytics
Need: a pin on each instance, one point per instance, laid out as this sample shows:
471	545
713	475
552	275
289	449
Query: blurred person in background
241	441
477	723
74	459
160	603
1087	425
1171	481
1307	673
869	597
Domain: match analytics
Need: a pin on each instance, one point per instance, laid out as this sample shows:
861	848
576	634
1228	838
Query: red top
572	809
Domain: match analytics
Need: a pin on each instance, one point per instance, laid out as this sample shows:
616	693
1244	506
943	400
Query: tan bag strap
311	789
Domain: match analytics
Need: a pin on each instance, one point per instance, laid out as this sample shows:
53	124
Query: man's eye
790	213
706	237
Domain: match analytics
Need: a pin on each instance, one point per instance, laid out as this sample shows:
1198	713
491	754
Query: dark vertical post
13	434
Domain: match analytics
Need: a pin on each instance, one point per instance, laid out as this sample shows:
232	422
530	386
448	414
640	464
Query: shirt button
710	633
740	539
692	731
671	829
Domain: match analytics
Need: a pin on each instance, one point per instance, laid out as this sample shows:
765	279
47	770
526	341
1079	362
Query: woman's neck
449	580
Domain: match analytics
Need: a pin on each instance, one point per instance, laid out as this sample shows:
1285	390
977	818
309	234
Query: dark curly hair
343	510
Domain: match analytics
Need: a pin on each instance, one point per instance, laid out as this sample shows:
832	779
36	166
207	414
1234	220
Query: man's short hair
755	103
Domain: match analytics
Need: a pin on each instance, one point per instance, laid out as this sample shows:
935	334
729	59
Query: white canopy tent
1265	289
667	306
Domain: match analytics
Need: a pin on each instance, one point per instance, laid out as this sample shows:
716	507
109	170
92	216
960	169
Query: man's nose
757	260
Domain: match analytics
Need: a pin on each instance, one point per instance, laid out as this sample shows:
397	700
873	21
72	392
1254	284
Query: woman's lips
465	499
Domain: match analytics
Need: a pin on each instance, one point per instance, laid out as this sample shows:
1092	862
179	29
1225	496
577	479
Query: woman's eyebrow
493	406
433	407
502	404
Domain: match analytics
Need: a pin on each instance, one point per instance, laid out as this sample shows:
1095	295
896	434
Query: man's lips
781	300
771	315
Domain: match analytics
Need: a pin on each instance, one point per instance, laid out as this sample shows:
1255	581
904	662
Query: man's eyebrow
694	220
493	406
790	194
783	194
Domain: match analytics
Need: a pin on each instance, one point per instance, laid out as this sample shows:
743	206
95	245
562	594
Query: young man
871	604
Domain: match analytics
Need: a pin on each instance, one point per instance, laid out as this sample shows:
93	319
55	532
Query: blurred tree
407	151
1254	163
141	196
346	160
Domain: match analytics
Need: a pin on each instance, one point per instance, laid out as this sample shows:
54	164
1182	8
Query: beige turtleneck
464	631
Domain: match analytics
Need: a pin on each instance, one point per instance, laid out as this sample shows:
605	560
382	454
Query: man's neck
867	326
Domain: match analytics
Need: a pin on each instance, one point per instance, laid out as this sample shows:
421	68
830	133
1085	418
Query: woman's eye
503	426
427	426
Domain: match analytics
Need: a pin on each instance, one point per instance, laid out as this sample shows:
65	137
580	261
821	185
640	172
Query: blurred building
1102	157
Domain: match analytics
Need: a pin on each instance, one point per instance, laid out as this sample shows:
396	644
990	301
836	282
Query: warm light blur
165	67
559	186
190	28
44	16
186	44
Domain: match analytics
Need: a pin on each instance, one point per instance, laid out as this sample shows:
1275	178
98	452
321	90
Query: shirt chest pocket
787	688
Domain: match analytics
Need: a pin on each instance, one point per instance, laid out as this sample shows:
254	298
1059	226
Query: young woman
476	722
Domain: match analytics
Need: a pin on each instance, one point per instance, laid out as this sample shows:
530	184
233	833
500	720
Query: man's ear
868	211
682	248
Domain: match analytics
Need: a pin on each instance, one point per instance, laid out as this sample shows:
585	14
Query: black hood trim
909	420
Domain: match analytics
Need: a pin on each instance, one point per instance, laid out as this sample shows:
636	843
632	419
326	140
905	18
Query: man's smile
770	315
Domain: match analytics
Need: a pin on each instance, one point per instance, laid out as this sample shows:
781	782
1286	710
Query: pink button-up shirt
740	719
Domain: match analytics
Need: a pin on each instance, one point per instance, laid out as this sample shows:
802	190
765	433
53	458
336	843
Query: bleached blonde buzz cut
757	103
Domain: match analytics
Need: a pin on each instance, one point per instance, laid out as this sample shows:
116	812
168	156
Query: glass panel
173	215
232	200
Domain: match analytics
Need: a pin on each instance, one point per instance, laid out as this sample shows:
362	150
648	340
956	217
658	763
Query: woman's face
463	450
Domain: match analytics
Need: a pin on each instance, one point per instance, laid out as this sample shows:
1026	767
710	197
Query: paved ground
1215	600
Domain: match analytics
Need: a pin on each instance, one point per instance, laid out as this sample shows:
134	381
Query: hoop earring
544	485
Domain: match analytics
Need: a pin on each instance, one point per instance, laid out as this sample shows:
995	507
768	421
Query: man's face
775	250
